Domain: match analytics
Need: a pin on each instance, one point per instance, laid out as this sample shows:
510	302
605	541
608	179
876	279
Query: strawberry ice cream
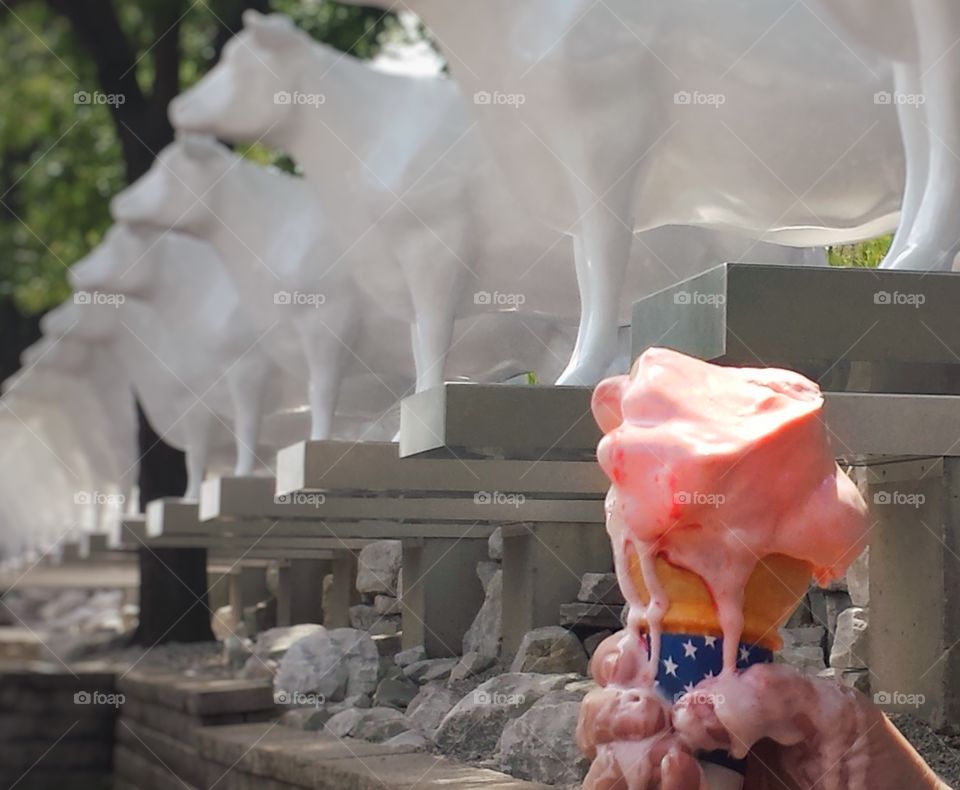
721	476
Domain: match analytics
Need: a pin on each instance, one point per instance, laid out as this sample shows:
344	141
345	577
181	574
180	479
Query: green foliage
865	255
60	162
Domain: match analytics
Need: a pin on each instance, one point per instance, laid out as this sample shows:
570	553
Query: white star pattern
710	641
688	688
670	666
689	649
744	654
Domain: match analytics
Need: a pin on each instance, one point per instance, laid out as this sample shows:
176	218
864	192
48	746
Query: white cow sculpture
618	117
398	160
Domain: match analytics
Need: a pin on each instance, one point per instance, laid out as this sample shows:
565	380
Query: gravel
941	751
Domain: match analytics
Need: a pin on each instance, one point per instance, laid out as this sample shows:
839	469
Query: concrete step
323	762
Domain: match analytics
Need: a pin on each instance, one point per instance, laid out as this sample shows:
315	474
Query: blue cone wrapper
686	659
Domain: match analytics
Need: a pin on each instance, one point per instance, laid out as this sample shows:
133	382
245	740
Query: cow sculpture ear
274	30
607	402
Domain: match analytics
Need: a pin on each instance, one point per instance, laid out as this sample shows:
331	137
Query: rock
541	744
389	670
806	658
804	635
600	588
274	642
354	701
428	708
592	642
306	719
581	687
495	544
386	605
236	651
261	616
430	669
367	618
410	656
388	645
471	730
378	566
257	668
485	572
374	724
224	623
334	664
592	615
486	630
858	580
850	645
471	664
550	650
395	693
409	740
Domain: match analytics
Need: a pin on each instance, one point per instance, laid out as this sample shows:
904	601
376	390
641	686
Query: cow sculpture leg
248	383
199	422
602	251
435	295
934	239
916	142
326	352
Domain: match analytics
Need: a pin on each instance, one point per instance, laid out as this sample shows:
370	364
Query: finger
680	771
605	658
609	715
605	773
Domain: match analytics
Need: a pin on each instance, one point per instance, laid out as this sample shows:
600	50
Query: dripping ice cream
725	500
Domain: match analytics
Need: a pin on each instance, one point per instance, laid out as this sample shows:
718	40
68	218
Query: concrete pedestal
343	592
441	592
915	588
300	592
248	586
543	565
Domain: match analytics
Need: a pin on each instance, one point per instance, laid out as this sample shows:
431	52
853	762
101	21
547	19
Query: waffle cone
773	592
